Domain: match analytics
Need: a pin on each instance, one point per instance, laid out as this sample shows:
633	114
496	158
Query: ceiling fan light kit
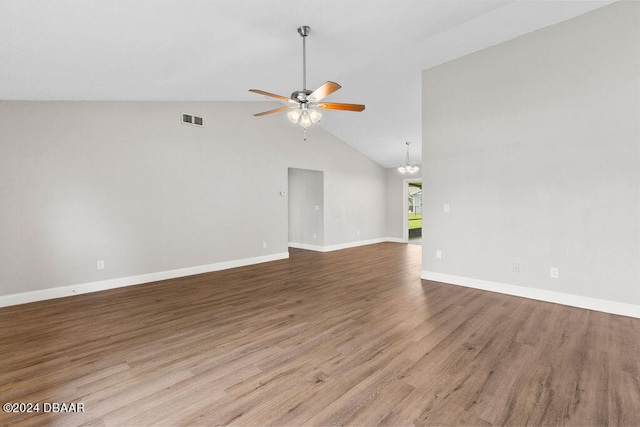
304	115
303	103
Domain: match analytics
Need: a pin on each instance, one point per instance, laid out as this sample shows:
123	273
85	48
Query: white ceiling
218	49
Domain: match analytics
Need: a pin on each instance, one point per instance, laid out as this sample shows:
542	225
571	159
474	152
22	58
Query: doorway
412	211
306	209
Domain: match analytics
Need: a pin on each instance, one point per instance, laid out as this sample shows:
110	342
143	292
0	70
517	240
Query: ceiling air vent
189	119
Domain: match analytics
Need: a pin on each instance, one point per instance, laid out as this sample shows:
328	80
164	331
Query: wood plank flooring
351	337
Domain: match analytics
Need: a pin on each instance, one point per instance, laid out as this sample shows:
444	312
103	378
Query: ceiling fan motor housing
301	95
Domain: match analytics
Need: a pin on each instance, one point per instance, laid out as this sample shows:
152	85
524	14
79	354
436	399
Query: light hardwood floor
347	337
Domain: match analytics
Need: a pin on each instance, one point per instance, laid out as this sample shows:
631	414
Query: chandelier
407	166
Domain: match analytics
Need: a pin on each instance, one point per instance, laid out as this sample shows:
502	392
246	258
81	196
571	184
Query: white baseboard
589	303
340	246
354	244
83	288
394	240
307	247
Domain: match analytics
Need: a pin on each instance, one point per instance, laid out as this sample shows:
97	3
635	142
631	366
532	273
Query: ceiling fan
301	103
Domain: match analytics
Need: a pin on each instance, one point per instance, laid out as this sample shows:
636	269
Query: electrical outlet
100	265
439	254
315	235
515	267
264	245
446	207
555	272
358	232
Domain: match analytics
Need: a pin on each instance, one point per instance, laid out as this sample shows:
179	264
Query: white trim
606	306
83	288
306	247
340	246
394	240
405	208
353	244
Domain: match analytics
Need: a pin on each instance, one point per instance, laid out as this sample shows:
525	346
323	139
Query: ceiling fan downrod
304	32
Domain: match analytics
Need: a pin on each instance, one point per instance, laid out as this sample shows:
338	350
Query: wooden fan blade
273	95
277	110
323	91
340	106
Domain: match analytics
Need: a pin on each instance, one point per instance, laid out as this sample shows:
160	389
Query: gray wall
127	183
306	207
535	144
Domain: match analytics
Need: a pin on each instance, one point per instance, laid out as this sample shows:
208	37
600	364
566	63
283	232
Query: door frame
405	206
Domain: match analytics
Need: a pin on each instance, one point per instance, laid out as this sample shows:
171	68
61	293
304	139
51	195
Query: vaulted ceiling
215	50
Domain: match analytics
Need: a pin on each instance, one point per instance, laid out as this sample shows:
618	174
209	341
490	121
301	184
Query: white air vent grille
189	119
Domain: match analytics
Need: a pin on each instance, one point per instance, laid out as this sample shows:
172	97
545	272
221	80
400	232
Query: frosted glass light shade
305	120
315	116
294	115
